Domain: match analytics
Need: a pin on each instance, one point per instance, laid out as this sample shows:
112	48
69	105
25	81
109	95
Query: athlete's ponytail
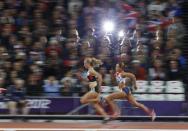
95	62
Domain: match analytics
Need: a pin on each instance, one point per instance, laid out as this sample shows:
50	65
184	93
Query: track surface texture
95	125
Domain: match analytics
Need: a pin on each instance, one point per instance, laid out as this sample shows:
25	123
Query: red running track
95	125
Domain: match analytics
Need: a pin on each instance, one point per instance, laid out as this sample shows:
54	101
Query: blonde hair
94	62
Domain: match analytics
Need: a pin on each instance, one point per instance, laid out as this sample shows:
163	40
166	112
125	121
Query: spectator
72	61
6	33
138	70
174	72
156	54
156	7
157	71
91	8
125	48
57	35
74	36
51	85
53	66
140	53
53	46
177	31
170	45
7	67
34	86
16	95
68	84
3	74
19	68
84	49
176	54
22	19
92	39
3	55
2	82
39	47
81	76
74	6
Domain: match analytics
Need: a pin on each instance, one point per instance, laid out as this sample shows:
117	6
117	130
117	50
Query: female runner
95	81
125	82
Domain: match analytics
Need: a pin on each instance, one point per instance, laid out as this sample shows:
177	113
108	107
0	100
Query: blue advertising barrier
63	105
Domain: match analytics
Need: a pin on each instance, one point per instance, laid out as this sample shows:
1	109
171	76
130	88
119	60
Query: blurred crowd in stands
43	42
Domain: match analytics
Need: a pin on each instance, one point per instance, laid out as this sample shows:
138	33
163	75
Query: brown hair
93	61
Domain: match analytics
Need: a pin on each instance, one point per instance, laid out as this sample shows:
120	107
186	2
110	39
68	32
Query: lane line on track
87	129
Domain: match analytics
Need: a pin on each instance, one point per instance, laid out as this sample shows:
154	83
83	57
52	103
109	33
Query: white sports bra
120	79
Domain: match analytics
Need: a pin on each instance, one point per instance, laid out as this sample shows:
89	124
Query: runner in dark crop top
95	81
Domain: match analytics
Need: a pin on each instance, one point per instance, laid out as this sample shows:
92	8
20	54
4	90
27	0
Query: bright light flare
121	33
108	26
